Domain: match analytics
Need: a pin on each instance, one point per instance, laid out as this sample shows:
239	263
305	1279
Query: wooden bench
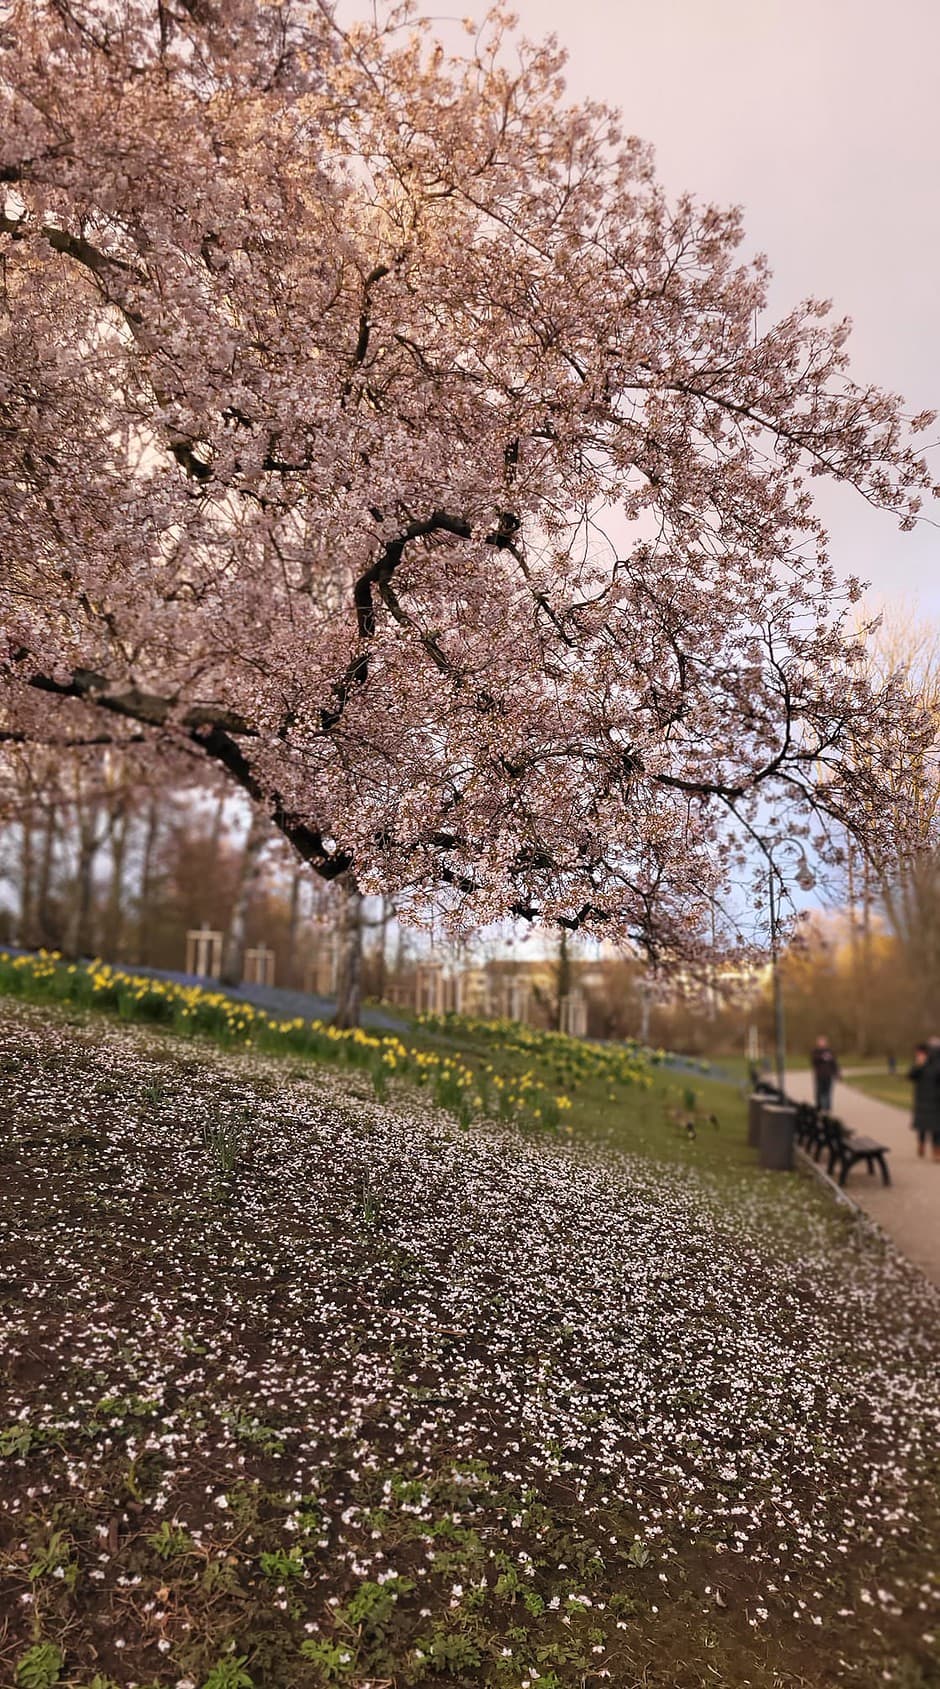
816	1132
810	1130
845	1148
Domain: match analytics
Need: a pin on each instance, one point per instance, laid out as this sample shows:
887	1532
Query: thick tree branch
69	743
213	731
136	705
379	575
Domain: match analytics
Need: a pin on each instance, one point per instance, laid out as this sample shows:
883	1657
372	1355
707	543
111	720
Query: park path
909	1208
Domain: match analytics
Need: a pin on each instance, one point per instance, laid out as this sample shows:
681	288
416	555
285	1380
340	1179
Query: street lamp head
805	877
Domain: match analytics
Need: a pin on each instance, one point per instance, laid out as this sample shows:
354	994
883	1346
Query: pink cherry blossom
375	431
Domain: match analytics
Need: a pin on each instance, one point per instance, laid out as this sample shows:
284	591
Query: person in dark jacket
924	1075
825	1073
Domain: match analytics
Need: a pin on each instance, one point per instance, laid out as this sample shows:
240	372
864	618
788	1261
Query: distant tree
398	450
246	883
101	862
31	813
896	874
563	973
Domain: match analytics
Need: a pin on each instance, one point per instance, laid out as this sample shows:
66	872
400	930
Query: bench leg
885	1175
844	1169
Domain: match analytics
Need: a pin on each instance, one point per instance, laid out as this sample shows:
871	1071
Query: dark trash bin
755	1105
777	1130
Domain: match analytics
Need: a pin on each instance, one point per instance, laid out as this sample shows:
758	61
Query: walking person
924	1075
825	1073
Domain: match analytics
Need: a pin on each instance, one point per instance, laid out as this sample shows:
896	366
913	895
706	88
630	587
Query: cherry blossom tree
374	429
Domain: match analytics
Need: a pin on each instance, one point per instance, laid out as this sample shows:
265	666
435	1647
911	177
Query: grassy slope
306	1389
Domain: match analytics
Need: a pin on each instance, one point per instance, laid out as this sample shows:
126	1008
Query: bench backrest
833	1130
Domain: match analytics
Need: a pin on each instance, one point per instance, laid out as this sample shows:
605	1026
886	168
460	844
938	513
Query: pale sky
822	119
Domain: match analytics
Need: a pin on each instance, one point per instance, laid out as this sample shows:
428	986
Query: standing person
924	1075
825	1073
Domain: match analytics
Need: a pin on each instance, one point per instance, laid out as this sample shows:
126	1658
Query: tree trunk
857	987
79	940
293	927
381	968
215	836
114	910
349	982
44	884
401	956
233	948
865	994
145	895
25	933
562	975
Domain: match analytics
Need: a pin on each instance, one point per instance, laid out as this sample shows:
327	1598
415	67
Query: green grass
885	1087
474	1069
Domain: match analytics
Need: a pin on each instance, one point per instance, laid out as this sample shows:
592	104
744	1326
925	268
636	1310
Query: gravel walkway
909	1208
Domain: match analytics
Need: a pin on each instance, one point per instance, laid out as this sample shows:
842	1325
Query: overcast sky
820	117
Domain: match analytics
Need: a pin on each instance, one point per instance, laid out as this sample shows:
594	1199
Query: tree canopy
375	429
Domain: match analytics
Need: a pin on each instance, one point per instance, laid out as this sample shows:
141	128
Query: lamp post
805	879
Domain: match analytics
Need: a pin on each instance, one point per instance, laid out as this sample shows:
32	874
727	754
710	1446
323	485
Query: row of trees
378	439
94	864
859	990
870	977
